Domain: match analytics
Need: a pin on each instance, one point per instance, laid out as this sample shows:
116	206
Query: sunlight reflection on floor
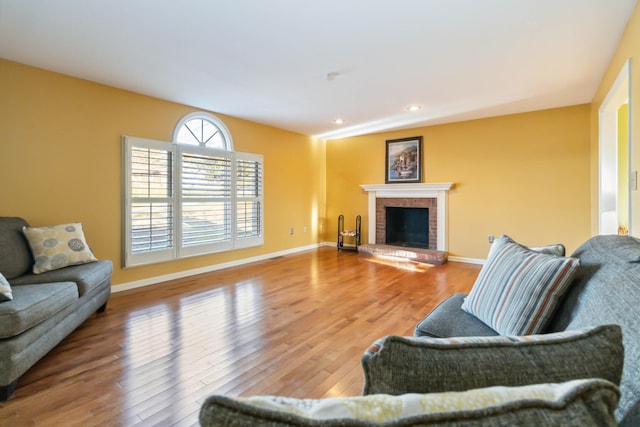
399	262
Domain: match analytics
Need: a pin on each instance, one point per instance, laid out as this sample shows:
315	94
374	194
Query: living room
532	175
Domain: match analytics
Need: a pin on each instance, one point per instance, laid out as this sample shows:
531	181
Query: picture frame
403	160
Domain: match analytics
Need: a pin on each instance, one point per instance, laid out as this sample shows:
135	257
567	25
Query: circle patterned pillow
58	246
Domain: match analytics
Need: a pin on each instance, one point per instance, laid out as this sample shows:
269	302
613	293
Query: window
190	197
204	130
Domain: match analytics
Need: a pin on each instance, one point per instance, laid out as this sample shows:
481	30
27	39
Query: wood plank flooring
294	326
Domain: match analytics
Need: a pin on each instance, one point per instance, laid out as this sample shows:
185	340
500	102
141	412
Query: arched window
204	130
192	196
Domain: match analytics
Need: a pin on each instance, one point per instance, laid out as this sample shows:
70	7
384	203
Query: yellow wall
525	175
60	150
629	47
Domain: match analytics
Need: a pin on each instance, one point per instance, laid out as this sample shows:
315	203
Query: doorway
616	181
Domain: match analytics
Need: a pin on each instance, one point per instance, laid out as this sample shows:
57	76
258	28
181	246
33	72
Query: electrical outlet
490	239
304	229
291	231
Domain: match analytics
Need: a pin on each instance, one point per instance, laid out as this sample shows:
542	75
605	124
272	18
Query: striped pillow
518	289
5	289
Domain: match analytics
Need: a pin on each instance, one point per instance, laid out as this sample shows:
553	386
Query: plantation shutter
205	200
150	206
249	221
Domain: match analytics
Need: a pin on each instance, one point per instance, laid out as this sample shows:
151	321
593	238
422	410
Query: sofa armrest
397	365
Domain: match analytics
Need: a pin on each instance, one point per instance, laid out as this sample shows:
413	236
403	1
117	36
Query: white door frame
619	94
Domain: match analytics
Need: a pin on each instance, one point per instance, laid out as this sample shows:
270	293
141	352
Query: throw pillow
574	403
58	246
5	289
397	365
554	249
518	289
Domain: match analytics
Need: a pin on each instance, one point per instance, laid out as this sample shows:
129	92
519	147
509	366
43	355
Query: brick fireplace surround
430	195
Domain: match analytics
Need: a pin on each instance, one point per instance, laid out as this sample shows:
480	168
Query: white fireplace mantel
438	190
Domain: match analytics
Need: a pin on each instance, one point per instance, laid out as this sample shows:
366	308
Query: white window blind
249	197
152	209
206	200
188	200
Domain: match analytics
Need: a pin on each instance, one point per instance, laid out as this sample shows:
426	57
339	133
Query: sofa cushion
449	320
32	304
15	255
518	289
607	290
632	417
86	276
574	403
58	246
397	365
5	289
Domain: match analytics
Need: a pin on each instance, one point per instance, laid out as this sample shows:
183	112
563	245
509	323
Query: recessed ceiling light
414	107
338	121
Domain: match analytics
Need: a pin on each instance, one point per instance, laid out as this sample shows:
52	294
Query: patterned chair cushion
574	403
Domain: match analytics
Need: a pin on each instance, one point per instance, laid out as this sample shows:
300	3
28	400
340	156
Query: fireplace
406	226
431	196
408	208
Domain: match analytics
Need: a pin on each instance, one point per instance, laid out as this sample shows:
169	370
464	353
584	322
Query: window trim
206	116
130	259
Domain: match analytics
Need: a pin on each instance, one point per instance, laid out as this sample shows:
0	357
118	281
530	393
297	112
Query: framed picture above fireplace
403	161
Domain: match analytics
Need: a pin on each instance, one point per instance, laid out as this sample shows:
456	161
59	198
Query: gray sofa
46	307
590	345
606	290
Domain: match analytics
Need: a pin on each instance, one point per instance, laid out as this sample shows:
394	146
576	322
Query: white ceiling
267	60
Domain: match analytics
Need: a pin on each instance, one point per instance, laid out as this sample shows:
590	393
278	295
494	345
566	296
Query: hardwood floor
294	326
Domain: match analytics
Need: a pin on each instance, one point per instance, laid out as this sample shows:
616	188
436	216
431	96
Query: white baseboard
467	260
180	274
